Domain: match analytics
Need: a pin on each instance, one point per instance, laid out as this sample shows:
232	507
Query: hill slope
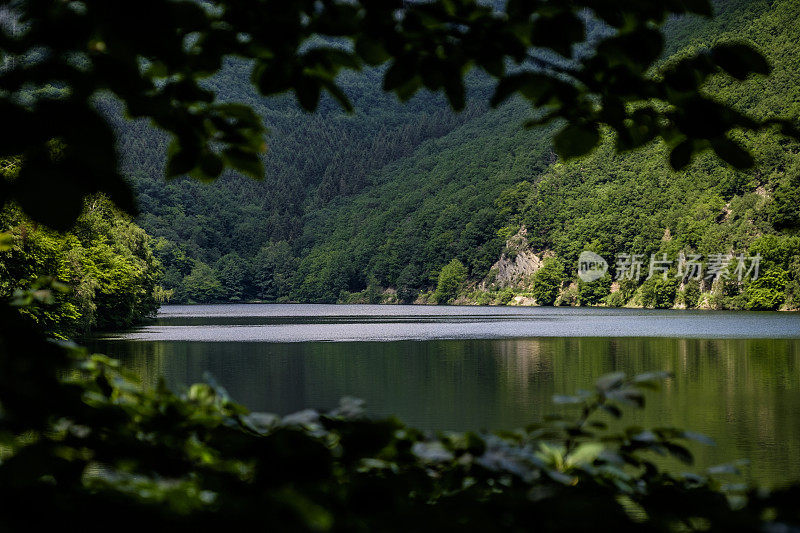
353	205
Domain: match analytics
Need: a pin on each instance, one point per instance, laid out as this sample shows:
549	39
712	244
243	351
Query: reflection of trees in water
745	393
525	371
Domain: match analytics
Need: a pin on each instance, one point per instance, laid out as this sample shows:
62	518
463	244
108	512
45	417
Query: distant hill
353	205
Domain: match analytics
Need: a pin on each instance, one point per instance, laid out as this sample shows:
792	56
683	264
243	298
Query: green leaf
455	91
539	88
652	376
698	437
609	381
308	92
407	90
699	7
48	194
732	153
331	59
650	380
576	140
210	167
740	60
679	452
338	95
681	155
629	396
247	162
562	399
6	241
371	51
398	74
613	410
788	128
727	468
508	86
635	49
586	453
558	32
180	160
560	477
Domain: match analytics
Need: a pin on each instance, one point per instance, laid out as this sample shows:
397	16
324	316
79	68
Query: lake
736	374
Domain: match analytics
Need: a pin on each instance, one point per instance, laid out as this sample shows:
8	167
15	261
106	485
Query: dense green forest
369	207
101	274
631	203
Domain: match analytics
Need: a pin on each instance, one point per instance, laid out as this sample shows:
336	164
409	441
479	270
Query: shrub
616	299
593	292
451	281
691	294
568	297
659	292
547	281
767	292
481	297
505	296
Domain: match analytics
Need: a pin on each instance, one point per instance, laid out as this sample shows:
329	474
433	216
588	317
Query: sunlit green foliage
690	295
451	281
768	291
594	292
659	292
547	281
104	268
202	285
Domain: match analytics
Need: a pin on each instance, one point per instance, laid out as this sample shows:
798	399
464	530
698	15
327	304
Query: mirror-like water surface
737	375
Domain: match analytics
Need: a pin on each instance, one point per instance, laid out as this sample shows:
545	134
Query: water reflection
743	392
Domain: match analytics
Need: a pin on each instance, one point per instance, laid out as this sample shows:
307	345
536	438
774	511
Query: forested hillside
632	203
312	160
372	206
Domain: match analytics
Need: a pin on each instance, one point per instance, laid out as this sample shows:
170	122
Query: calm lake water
737	375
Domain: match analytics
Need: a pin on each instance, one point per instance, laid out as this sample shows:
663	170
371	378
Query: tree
407	282
767	292
231	273
659	292
451	280
593	292
202	284
272	270
547	281
102	274
691	294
